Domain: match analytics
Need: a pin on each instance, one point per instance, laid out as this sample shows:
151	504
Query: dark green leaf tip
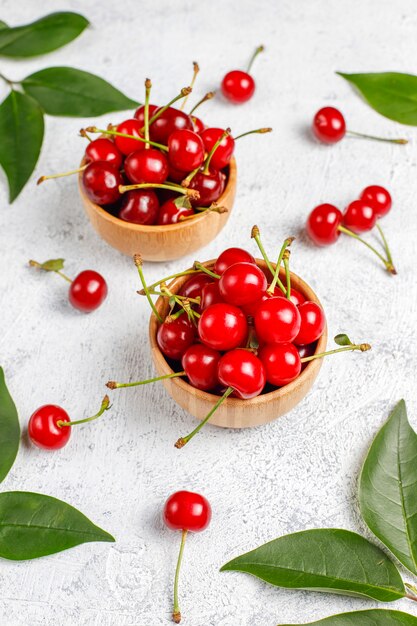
342	340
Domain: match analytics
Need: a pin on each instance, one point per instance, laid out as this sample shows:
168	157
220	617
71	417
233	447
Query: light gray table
298	472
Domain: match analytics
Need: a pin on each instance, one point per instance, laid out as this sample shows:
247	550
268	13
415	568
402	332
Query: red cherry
307	350
43	429
224	151
313	322
185	510
147	166
295	296
125	144
379	198
329	125
229	257
170	213
250	309
210	295
176	176
198	125
277	320
238	86
174	336
210	187
242	283
139	206
170	120
140	113
194	285
87	291
185	150
359	216
200	365
222	327
101	182
243	371
323	223
282	363
103	149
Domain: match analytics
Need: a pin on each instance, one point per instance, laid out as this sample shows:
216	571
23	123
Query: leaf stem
94	129
196	69
363	347
388	266
384	139
112	384
258	50
183	440
105	406
33	263
176	614
138	262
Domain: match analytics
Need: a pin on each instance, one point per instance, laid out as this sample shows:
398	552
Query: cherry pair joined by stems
87	291
188	512
50	426
239	86
329	127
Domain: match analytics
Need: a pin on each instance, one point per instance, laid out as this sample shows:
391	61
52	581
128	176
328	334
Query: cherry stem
183	440
363	347
196	69
384	139
148	86
33	263
112	384
105	406
385	243
185	91
172	277
209	95
183	302
70	173
83	133
138	262
256	234
202	268
192	193
176	614
286	259
276	279
388	265
253	57
94	129
259	131
207	162
165	294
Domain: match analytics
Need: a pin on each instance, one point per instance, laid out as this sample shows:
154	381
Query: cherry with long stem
182	441
105	406
115	133
205	168
387	263
196	69
138	262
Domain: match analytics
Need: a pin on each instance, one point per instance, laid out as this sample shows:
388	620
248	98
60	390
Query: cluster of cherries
326	222
235	328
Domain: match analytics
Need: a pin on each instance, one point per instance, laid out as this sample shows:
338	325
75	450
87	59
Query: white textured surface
298	472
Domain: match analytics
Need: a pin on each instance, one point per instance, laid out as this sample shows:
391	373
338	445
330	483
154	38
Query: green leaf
34	525
342	340
391	94
46	34
388	484
72	92
9	429
3	25
53	265
327	559
371	617
21	132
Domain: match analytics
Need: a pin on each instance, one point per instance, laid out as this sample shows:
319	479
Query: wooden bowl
161	243
236	413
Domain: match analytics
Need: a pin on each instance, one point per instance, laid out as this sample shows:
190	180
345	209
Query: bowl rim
311	370
143	228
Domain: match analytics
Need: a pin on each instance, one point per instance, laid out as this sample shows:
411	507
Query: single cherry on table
238	86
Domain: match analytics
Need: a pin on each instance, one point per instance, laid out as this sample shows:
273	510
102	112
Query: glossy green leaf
34	525
327	559
21	132
46	34
53	265
388	487
9	429
371	617
72	92
391	94
342	340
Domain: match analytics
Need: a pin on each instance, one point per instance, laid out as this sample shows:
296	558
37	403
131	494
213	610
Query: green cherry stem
148	86
185	91
176	613
172	277
112	384
115	133
191	193
363	347
105	406
138	262
385	244
209	95
384	139
44	266
258	50
286	260
276	279
70	173
196	69
184	440
256	234
388	265
259	131
202	268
